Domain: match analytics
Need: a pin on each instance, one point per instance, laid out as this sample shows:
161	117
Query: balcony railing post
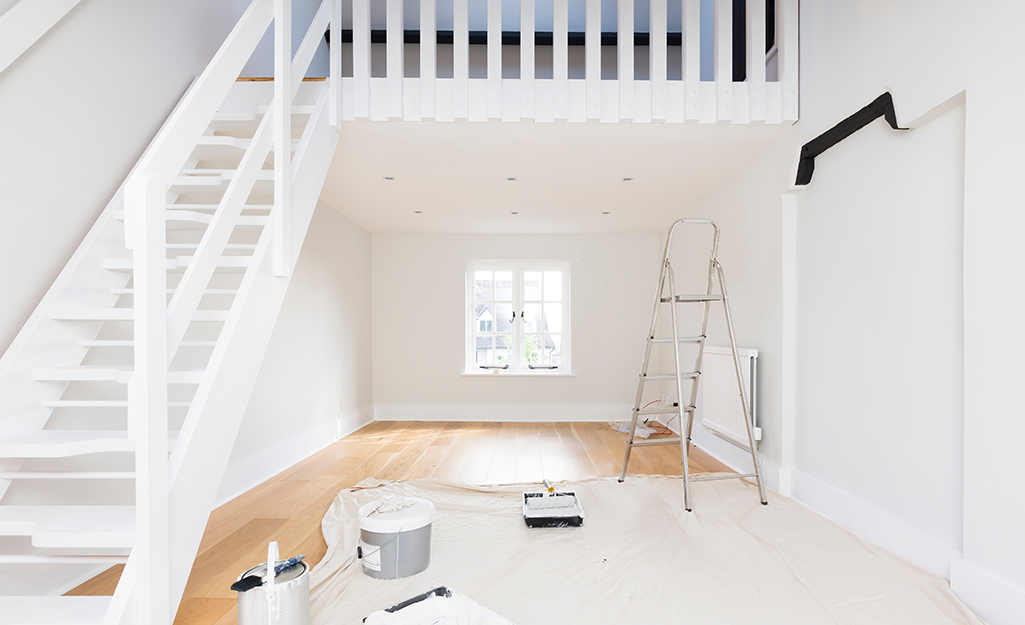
145	197
335	64
282	112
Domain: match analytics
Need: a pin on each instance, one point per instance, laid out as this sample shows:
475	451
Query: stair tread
123	314
102	403
131	343
64	610
108	374
179	262
65	443
71	526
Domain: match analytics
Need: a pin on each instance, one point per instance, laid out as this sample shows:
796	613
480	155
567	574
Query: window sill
504	373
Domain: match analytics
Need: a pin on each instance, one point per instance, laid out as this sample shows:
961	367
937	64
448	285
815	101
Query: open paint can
395	536
289	603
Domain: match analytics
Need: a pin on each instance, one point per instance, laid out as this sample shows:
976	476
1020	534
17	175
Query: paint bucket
395	536
290	604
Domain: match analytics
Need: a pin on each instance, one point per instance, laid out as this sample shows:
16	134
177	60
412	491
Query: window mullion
518	308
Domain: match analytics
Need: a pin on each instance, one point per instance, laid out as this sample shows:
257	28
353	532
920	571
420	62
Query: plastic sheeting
638	558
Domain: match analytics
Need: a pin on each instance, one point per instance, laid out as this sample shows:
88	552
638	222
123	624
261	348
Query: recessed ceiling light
389	177
627	179
605	212
515	212
417	212
511	179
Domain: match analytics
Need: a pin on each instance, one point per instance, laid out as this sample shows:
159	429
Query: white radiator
719	404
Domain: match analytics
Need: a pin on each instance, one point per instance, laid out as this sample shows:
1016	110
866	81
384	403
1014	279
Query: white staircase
121	397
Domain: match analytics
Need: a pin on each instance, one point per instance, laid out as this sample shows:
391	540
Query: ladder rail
740	385
686	410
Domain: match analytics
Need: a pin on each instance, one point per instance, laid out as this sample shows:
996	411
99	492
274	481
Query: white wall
78	108
419	317
901	290
314	385
747	209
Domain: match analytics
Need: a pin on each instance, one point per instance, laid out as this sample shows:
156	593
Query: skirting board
244	475
503	412
993	599
872	524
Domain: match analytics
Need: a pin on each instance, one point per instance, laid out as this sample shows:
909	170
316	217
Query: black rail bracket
880	107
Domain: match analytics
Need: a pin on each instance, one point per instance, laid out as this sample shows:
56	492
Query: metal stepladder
666	281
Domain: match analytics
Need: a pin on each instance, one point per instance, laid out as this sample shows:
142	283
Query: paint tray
441	605
552	510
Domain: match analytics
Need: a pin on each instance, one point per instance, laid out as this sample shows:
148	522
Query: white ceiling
566	175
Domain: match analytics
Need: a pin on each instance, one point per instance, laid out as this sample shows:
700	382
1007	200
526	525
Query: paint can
289	603
395	536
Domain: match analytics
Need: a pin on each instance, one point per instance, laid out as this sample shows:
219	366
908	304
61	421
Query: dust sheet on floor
639	557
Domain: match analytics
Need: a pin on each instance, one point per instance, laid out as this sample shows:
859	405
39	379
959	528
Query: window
518	317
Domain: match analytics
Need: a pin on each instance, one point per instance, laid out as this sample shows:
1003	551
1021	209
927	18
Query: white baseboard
503	412
991	598
882	528
872	524
244	475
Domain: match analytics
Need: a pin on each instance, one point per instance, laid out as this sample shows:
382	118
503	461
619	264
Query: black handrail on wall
880	107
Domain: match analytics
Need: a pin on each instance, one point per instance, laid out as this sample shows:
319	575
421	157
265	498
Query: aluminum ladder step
662	340
683	299
667	410
652	442
71	527
686	375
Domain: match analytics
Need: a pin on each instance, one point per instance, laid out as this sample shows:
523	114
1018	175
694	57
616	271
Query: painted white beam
527	59
560	58
428	58
282	114
691	50
724	60
361	59
335	63
625	59
461	59
657	61
592	59
396	52
25	23
787	47
756	61
495	59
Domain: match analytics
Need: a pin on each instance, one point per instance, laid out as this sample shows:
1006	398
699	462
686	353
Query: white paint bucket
395	536
291	600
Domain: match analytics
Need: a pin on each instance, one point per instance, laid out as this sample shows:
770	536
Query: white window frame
518	367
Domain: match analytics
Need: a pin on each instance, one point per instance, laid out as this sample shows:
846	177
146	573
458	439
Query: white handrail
160	327
22	25
176	140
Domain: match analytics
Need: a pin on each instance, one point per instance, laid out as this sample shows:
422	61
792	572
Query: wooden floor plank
290	506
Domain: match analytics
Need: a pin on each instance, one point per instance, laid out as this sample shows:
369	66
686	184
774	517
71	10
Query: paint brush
252	581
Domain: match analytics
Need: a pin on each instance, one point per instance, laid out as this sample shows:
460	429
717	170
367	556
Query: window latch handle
514	317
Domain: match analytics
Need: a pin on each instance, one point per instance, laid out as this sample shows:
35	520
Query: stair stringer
204	445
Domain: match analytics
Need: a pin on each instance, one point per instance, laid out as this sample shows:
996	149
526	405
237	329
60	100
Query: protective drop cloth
638	558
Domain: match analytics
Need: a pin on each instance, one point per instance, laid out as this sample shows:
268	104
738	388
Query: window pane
532	286
553	286
553	317
482	285
503	286
532	349
532	317
553	349
503	349
504	322
485	351
483	318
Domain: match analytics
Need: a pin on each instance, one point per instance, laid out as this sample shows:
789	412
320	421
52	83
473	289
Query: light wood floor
289	507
